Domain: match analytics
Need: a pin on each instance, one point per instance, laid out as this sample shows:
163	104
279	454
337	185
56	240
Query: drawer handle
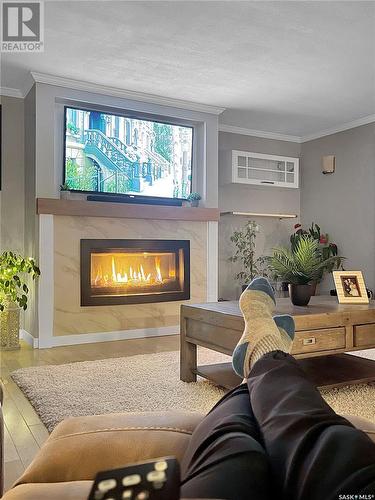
310	341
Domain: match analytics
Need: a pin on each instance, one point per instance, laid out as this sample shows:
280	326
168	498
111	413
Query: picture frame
350	287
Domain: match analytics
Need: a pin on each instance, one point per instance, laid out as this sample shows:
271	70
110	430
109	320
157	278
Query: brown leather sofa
80	447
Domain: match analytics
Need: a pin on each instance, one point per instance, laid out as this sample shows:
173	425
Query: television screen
107	153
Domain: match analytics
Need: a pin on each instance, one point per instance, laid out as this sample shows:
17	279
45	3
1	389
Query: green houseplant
245	246
194	199
13	295
64	191
325	247
300	267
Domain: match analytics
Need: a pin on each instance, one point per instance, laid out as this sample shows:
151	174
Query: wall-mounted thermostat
328	164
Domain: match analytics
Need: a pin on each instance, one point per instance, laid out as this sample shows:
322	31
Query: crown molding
295	138
35	77
125	94
339	128
258	133
28	84
9	92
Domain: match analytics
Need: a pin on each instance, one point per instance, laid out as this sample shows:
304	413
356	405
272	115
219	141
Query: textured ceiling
288	67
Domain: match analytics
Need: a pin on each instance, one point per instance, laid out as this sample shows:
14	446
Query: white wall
247	198
343	203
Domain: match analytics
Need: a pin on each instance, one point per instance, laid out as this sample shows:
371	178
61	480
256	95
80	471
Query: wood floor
24	431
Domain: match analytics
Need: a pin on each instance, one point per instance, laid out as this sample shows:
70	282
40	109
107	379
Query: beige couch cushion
76	490
80	447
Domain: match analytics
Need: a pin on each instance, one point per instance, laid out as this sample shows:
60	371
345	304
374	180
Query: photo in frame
350	287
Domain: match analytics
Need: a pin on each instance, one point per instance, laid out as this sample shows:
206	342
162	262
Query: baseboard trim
91	338
29	339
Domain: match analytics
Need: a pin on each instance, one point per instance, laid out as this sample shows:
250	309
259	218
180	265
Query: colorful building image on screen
107	153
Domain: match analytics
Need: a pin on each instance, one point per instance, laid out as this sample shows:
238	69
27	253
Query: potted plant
245	243
13	295
64	191
326	249
194	199
300	267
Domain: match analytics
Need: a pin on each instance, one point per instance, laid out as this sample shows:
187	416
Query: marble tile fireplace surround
115	271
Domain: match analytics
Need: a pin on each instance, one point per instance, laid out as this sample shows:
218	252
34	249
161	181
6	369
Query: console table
325	331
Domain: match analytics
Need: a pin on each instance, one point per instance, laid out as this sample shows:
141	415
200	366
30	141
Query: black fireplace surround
134	271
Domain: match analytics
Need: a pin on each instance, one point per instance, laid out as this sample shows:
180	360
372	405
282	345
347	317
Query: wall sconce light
328	164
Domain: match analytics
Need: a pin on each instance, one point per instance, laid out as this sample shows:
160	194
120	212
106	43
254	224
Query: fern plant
303	264
326	248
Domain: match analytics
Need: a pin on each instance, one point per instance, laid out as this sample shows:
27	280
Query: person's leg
314	453
224	459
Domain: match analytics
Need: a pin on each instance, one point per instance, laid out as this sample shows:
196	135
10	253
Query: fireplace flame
158	271
133	276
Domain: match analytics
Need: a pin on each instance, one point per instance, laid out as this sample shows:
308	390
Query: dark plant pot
313	285
300	295
194	203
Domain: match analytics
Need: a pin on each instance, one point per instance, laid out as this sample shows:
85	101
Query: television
116	154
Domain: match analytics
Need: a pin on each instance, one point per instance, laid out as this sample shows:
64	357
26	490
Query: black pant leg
314	453
224	459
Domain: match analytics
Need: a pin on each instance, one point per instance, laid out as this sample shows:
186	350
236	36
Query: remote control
152	480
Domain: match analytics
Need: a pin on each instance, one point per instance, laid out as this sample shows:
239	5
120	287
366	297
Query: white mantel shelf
255	214
86	208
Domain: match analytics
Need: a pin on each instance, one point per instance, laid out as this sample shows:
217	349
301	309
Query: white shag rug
147	382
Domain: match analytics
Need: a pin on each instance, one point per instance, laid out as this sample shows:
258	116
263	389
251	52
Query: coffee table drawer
364	335
319	340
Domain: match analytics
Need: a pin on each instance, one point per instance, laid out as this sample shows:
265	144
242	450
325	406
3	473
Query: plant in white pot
13	295
300	267
64	191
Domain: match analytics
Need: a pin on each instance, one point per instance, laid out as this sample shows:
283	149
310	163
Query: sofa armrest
80	447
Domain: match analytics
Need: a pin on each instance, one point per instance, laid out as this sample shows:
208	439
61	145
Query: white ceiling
286	67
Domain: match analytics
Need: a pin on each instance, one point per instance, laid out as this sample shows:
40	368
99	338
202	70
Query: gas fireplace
134	271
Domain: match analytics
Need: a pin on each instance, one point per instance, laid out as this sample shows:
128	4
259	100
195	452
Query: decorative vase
300	295
10	327
194	203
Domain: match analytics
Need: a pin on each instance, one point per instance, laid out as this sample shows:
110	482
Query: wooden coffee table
325	331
